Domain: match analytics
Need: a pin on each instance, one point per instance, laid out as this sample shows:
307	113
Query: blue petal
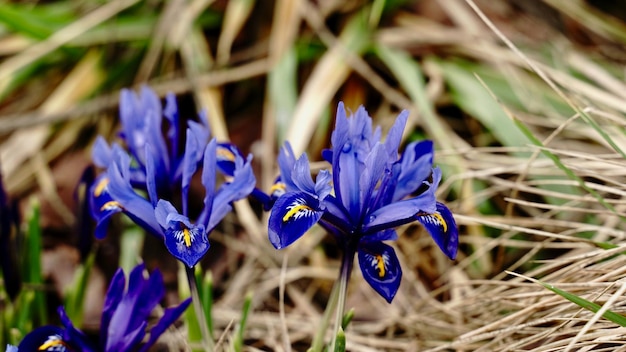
128	322
415	167
45	338
239	187
442	228
399	213
188	245
101	205
169	317
227	153
187	242
101	153
286	163
394	137
136	207
208	179
72	336
113	297
171	114
292	215
193	153
381	268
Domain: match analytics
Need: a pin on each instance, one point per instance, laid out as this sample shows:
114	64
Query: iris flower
368	192
124	321
186	240
154	158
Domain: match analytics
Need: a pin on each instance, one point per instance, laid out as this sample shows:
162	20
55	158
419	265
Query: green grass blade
238	342
75	296
583	303
33	264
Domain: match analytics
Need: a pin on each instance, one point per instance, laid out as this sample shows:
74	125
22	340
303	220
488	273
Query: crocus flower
124	319
370	191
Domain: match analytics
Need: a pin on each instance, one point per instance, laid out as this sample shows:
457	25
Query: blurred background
524	100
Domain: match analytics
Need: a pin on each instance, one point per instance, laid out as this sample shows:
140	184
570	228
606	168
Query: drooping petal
46	338
292	215
227	153
136	207
442	228
101	205
381	268
169	317
185	241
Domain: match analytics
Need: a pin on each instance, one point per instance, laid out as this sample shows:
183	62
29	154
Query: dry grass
496	74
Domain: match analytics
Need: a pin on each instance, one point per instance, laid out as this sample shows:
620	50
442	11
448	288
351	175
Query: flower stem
344	277
207	340
337	295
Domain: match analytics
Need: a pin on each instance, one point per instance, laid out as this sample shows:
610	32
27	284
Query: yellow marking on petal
294	210
110	205
225	153
50	343
380	265
441	221
187	237
100	187
279	186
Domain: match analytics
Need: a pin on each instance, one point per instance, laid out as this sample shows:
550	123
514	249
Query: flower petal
184	240
136	207
381	268
169	317
76	339
113	297
292	215
45	338
415	167
227	153
442	229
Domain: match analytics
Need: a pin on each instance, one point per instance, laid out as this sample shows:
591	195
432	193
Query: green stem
207	340
344	277
337	295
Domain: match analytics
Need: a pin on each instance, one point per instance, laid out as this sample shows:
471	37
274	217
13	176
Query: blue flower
155	162
124	321
370	191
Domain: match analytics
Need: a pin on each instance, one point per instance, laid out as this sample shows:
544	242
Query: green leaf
75	295
583	303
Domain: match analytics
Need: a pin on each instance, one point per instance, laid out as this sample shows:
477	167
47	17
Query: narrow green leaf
75	296
583	303
33	263
340	341
238	342
347	318
207	299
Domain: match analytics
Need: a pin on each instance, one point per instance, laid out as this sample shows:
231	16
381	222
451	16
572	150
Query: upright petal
113	297
442	228
415	167
208	180
292	215
241	186
381	268
169	317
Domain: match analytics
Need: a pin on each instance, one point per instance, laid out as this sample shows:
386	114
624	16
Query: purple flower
124	321
370	191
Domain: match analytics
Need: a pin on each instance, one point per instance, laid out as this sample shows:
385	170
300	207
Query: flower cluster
368	192
124	319
156	166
